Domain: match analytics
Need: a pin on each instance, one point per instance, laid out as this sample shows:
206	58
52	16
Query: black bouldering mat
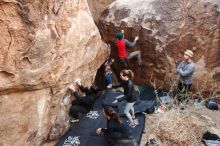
83	133
148	93
146	101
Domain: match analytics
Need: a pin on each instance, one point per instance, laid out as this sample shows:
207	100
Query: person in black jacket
82	104
116	131
129	95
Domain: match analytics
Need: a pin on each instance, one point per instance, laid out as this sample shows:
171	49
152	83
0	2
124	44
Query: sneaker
136	122
109	86
72	120
133	124
133	117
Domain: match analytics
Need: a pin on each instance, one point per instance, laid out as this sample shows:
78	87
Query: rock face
166	29
97	6
45	45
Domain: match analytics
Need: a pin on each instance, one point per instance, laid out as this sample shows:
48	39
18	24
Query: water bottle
197	104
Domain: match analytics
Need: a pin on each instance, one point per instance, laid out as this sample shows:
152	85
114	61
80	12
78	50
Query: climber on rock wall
123	46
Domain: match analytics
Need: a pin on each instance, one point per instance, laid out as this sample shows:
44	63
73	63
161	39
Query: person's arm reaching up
131	44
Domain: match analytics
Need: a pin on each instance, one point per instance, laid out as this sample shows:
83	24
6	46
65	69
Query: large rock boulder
45	45
166	29
97	6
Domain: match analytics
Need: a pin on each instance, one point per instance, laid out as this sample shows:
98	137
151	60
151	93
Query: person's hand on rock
72	87
78	82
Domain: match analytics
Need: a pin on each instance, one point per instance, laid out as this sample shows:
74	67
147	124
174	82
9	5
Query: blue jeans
108	79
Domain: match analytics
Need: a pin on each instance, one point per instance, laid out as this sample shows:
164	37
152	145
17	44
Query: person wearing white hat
185	69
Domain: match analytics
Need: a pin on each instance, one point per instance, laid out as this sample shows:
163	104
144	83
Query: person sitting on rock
108	72
123	46
116	132
185	69
82	104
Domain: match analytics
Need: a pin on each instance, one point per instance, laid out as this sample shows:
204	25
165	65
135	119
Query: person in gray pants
185	69
129	95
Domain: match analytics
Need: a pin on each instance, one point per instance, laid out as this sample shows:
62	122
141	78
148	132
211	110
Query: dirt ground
210	118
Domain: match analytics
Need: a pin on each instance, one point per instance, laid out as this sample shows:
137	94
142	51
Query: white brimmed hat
188	53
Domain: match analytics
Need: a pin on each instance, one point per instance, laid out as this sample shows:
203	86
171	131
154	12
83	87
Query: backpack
210	139
151	106
211	104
